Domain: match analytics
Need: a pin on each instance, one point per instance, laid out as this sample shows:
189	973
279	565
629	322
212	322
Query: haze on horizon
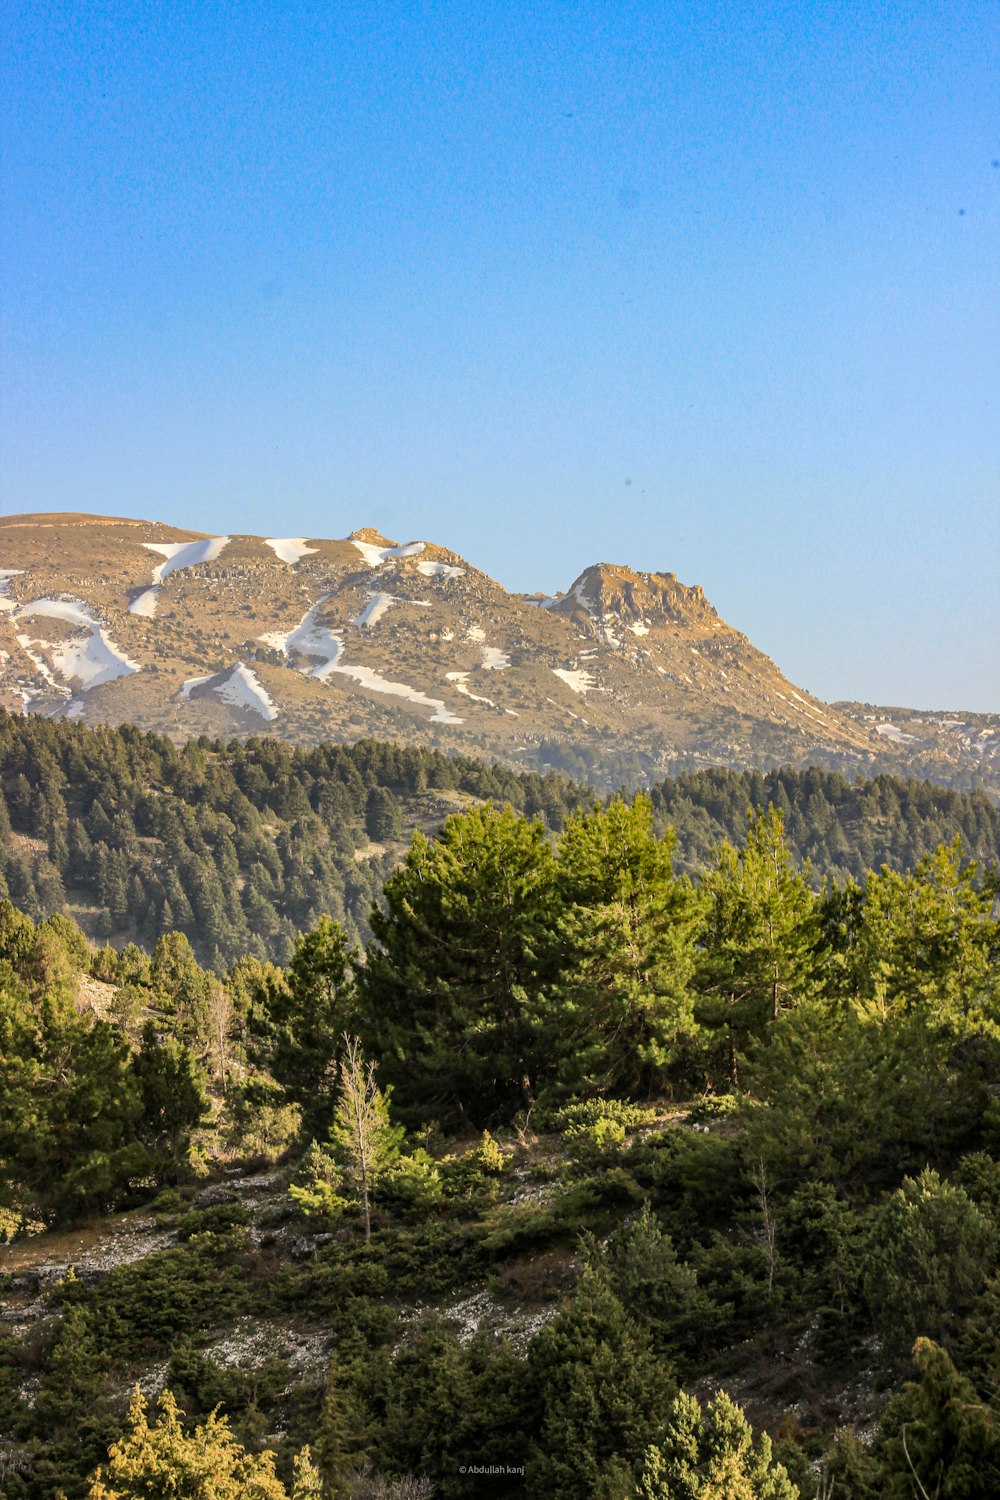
686	287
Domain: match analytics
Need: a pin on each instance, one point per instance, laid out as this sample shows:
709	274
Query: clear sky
701	287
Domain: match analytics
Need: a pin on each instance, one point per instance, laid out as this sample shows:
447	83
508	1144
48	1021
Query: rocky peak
191	633
606	594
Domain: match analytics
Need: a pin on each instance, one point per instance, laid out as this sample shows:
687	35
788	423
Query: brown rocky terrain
113	620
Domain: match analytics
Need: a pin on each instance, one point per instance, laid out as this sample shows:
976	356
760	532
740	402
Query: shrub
585	1112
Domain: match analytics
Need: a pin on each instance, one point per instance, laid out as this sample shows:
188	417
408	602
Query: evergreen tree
621	1008
69	1107
929	1254
761	940
304	1018
151	1462
710	1453
173	1095
940	1438
455	966
383	815
929	940
601	1394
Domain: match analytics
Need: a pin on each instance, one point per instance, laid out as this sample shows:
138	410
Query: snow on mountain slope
317	648
289	549
179	555
242	688
91	661
374	610
375	555
440	570
309	639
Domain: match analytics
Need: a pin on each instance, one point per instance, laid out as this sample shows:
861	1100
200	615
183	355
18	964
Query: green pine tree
450	978
762	950
711	1453
620	1012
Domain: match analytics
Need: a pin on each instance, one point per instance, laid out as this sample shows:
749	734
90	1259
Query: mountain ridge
115	620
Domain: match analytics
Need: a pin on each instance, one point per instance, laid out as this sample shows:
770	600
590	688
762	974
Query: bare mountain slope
113	620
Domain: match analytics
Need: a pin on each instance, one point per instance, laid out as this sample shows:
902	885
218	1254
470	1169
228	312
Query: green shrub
930	1251
217	1219
589	1146
584	1112
714	1106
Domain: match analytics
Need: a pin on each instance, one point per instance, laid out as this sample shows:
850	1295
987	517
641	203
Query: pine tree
929	1253
305	1018
450	978
927	940
173	1095
383	815
761	940
940	1439
362	1133
601	1394
711	1453
620	1012
205	1464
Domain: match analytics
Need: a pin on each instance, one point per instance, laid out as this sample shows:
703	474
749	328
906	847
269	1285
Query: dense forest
240	846
594	1178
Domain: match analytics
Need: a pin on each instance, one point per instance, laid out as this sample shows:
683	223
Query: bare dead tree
220	1013
361	1121
769	1227
925	1494
366	1484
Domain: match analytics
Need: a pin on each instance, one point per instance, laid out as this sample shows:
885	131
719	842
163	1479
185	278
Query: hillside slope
239	845
112	621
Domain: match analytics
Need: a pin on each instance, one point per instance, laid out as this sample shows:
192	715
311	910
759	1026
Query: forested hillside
239	846
592	1180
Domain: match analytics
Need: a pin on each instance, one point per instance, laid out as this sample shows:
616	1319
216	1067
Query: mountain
625	676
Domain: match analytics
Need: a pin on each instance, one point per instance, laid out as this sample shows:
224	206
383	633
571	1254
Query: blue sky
702	287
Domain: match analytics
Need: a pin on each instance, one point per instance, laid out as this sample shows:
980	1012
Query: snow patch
289	549
494	660
379	684
581	598
192	682
376	556
242	689
639	627
41	666
894	733
93	661
179	555
59	609
309	639
6	574
580	682
440	570
374	610
460	679
74	709
312	639
475	633
145	603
